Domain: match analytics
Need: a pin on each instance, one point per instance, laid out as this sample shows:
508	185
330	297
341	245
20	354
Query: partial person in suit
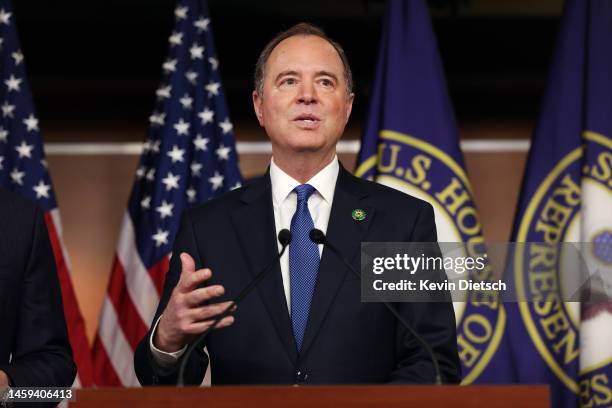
34	346
304	324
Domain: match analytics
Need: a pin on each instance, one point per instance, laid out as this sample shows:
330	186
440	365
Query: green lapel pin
358	214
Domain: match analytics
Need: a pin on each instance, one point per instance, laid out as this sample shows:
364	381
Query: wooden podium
489	396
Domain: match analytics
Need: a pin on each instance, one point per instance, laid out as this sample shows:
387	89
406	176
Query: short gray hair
302	29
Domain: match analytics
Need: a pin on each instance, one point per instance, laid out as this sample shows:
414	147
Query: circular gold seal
420	169
554	215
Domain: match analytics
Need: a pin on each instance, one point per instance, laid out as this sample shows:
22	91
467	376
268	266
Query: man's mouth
307	118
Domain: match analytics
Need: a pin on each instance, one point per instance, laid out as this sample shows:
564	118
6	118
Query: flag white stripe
139	284
116	345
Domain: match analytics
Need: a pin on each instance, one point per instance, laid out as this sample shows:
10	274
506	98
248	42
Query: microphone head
317	236
284	237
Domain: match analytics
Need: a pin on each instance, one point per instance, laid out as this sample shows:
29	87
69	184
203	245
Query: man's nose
307	93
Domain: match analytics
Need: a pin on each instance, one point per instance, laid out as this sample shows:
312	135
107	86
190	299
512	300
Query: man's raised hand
186	315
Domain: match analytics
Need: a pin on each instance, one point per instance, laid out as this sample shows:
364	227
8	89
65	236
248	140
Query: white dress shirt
284	202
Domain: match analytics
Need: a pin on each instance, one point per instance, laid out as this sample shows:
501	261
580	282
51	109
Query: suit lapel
346	235
255	219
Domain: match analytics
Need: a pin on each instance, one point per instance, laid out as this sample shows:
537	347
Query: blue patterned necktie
303	263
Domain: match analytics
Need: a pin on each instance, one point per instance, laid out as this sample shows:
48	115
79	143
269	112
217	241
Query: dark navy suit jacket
346	341
32	323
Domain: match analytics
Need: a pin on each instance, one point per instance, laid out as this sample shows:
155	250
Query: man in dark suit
34	347
305	323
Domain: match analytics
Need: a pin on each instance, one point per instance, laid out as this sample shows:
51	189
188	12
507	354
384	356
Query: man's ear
349	106
257	102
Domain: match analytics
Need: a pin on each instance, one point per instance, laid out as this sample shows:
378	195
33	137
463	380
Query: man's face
305	104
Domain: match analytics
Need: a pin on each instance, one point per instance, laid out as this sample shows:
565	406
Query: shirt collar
324	181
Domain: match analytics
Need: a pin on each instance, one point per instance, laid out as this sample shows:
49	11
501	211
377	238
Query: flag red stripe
158	273
104	370
130	322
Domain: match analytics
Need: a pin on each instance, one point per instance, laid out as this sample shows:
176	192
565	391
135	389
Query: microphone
284	238
318	237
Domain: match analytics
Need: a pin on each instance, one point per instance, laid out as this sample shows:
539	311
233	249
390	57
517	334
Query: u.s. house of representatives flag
411	143
23	169
567	197
189	157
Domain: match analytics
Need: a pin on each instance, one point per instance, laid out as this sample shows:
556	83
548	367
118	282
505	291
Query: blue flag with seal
411	143
566	196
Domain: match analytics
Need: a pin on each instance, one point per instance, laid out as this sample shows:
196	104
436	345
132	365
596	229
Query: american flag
188	157
23	169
